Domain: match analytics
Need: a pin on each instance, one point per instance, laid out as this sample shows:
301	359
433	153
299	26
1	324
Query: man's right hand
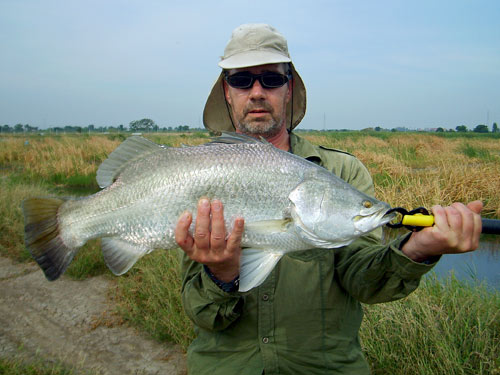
210	247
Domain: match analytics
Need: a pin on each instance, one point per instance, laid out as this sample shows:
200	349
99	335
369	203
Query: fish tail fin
42	236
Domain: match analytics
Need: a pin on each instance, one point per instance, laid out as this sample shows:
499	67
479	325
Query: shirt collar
302	147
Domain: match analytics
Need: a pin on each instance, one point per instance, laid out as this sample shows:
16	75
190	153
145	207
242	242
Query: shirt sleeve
207	305
368	270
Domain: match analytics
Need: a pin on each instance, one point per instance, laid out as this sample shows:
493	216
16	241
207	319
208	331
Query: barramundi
288	203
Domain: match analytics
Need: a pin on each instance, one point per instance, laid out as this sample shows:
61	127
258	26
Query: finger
182	236
454	217
440	218
234	240
202	227
476	206
218	234
467	230
478	227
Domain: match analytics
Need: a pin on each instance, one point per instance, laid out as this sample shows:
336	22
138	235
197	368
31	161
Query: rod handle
490	226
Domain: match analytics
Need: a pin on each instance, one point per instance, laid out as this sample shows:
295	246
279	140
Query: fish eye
367	204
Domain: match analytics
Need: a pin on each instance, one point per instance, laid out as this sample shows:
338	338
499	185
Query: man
305	317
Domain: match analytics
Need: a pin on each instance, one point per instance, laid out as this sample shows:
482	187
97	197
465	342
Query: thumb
475	206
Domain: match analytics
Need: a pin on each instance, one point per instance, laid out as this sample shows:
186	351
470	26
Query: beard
266	128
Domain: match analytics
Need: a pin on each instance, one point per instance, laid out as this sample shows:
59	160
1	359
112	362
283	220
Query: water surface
482	265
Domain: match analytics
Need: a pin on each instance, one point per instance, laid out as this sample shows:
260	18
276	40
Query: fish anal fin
121	255
128	151
255	266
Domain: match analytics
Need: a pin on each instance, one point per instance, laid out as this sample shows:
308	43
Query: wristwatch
229	287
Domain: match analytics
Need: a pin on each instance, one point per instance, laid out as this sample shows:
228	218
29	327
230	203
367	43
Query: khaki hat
252	45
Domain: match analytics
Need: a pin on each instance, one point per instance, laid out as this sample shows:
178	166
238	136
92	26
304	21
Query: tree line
143	125
148	125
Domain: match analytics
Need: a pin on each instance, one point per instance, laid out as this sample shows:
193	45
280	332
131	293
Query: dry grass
448	329
424	169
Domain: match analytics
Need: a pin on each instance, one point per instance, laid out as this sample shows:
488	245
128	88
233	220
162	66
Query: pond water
482	265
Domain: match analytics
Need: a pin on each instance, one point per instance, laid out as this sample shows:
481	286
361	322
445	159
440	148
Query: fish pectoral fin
120	255
131	149
255	266
267	226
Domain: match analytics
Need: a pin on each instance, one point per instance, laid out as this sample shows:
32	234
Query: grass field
450	328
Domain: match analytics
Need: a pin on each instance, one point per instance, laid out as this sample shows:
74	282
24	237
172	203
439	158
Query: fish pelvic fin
128	151
121	255
42	236
255	267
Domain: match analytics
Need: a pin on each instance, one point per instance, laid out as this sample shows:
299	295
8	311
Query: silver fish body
288	203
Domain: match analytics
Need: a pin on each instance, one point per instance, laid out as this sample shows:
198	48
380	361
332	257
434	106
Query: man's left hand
456	230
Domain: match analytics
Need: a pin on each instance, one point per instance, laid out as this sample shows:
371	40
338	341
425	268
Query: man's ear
226	92
290	85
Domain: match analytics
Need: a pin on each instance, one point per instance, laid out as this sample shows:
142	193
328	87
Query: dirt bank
59	321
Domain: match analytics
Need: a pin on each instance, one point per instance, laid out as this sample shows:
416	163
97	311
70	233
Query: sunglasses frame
254	77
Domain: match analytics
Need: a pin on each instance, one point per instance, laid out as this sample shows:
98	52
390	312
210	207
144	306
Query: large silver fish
288	203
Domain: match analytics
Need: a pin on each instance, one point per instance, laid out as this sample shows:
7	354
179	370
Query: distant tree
378	128
18	128
6	129
394	130
145	124
461	128
494	128
121	128
440	130
481	129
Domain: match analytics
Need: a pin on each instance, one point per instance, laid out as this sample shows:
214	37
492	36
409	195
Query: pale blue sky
365	63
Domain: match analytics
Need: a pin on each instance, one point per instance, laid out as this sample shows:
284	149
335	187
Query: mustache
258	105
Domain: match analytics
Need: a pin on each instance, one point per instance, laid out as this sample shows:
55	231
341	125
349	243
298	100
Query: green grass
448	327
476	152
37	367
149	296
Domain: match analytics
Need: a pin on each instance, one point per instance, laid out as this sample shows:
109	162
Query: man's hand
456	230
209	245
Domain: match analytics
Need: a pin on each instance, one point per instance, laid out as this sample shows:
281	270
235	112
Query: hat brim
253	58
217	113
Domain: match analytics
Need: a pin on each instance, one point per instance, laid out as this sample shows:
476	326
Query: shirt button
265	340
265	297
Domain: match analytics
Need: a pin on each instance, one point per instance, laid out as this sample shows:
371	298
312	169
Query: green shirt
305	317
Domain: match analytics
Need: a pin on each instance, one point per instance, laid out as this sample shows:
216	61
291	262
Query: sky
387	63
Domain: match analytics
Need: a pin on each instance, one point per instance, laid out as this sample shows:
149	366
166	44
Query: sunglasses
268	80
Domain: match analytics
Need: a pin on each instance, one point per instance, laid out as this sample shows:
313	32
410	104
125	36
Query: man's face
259	111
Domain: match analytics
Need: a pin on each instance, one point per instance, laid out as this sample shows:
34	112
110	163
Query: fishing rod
420	218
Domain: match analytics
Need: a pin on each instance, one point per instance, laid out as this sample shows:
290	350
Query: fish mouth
367	223
387	217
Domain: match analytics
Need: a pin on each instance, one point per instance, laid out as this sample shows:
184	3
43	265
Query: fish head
333	213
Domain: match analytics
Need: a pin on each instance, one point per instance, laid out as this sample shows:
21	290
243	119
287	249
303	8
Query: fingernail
216	206
185	216
204	203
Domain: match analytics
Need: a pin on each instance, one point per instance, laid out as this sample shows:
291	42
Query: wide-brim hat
253	45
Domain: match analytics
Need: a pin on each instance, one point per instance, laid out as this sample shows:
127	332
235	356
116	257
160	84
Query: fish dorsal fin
131	149
235	138
255	266
120	255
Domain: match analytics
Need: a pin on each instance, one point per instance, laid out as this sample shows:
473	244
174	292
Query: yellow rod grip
418	220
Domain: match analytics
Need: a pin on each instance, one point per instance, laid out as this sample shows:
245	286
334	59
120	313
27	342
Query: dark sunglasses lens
240	80
273	80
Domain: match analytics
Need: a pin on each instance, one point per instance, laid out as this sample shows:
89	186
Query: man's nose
257	91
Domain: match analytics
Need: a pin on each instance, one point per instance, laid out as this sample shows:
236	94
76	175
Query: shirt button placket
267	325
